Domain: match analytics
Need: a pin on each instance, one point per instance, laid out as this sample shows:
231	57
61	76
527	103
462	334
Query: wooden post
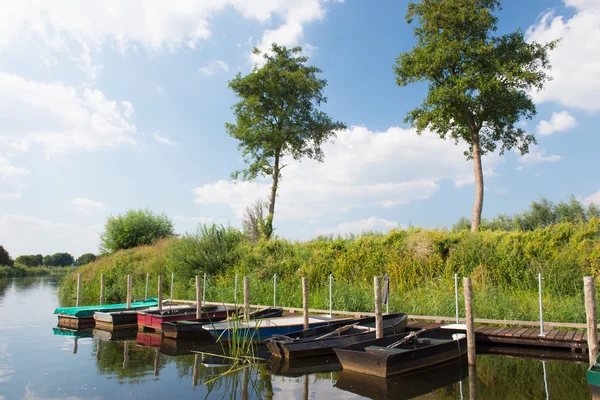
75	346
198	304
378	312
472	382
125	354
77	301
247	298
305	301
157	361
245	382
590	312
469	321
147	280
305	389
195	370
102	289
172	284
129	289
98	348
159	295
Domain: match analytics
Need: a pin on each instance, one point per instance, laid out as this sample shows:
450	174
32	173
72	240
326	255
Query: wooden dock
519	336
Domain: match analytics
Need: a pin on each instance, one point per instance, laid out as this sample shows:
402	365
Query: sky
107	106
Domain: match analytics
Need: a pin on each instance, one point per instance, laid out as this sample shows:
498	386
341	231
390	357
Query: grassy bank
18	270
421	265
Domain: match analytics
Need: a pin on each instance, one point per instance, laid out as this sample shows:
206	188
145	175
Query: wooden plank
495	331
569	335
511	332
579	336
533	334
501	331
561	335
484	330
520	332
552	334
529	332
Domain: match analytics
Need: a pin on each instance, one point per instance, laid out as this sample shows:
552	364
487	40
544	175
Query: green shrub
59	260
5	257
135	228
29	261
86	259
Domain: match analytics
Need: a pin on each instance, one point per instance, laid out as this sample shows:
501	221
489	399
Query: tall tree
5	257
479	84
278	116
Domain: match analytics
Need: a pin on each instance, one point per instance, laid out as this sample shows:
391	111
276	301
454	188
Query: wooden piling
98	349
590	312
247	298
77	301
75	346
198	304
147	280
196	368
378	312
305	389
129	289
125	354
469	321
102	289
159	294
472	382
157	360
305	301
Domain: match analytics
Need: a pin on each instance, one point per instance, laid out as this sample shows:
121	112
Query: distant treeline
50	260
541	214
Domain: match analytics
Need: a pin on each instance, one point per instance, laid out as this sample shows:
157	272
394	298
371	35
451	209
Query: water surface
38	363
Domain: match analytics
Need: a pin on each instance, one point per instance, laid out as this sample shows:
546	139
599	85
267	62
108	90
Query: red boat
149	339
153	319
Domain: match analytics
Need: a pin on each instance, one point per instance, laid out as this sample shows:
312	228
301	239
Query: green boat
83	317
593	378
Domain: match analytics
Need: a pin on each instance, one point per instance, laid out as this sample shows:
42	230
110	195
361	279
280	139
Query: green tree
86	259
39	258
59	260
278	116
5	257
479	84
135	228
27	260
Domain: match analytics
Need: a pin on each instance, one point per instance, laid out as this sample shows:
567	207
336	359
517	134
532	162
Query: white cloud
160	90
9	170
212	67
592	198
537	156
361	169
358	227
163	139
576	61
196	220
559	122
12	195
60	118
85	206
24	234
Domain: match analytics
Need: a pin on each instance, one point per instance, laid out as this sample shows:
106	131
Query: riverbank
421	265
19	271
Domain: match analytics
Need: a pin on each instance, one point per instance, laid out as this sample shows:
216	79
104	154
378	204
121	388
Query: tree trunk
478	206
269	223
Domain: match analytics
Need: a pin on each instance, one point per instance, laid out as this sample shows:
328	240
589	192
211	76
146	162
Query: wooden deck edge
547	325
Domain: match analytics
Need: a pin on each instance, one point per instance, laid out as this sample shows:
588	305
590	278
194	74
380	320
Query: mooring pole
195	370
456	297
102	289
98	348
472	382
305	389
590	312
386	292
198	306
305	301
247	298
274	290
157	362
172	283
330	295
541	311
235	290
129	289
378	316
147	280
75	346
159	292
125	354
470	321
204	291
77	301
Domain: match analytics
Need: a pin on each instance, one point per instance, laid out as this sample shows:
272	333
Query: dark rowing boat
302	366
154	319
192	329
322	340
407	352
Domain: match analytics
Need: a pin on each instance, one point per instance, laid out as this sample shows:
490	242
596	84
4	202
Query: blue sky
112	105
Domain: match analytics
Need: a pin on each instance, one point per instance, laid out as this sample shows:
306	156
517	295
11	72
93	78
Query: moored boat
192	329
322	340
403	353
110	320
83	317
593	378
155	318
264	328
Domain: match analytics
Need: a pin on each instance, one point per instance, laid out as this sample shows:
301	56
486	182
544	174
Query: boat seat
383	349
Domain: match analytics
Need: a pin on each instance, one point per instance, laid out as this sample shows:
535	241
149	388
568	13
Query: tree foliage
253	223
86	258
540	214
134	228
59	260
5	257
278	116
479	84
29	260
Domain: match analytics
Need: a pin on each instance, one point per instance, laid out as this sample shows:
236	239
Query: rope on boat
410	336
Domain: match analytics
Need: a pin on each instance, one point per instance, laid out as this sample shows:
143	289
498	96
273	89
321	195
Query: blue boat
264	328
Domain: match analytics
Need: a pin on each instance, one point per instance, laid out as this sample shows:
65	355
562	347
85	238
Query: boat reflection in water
303	366
405	386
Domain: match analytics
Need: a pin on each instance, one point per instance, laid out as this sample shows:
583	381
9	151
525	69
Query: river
36	362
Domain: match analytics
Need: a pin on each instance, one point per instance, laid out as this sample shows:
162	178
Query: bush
86	259
135	228
28	261
5	257
59	260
